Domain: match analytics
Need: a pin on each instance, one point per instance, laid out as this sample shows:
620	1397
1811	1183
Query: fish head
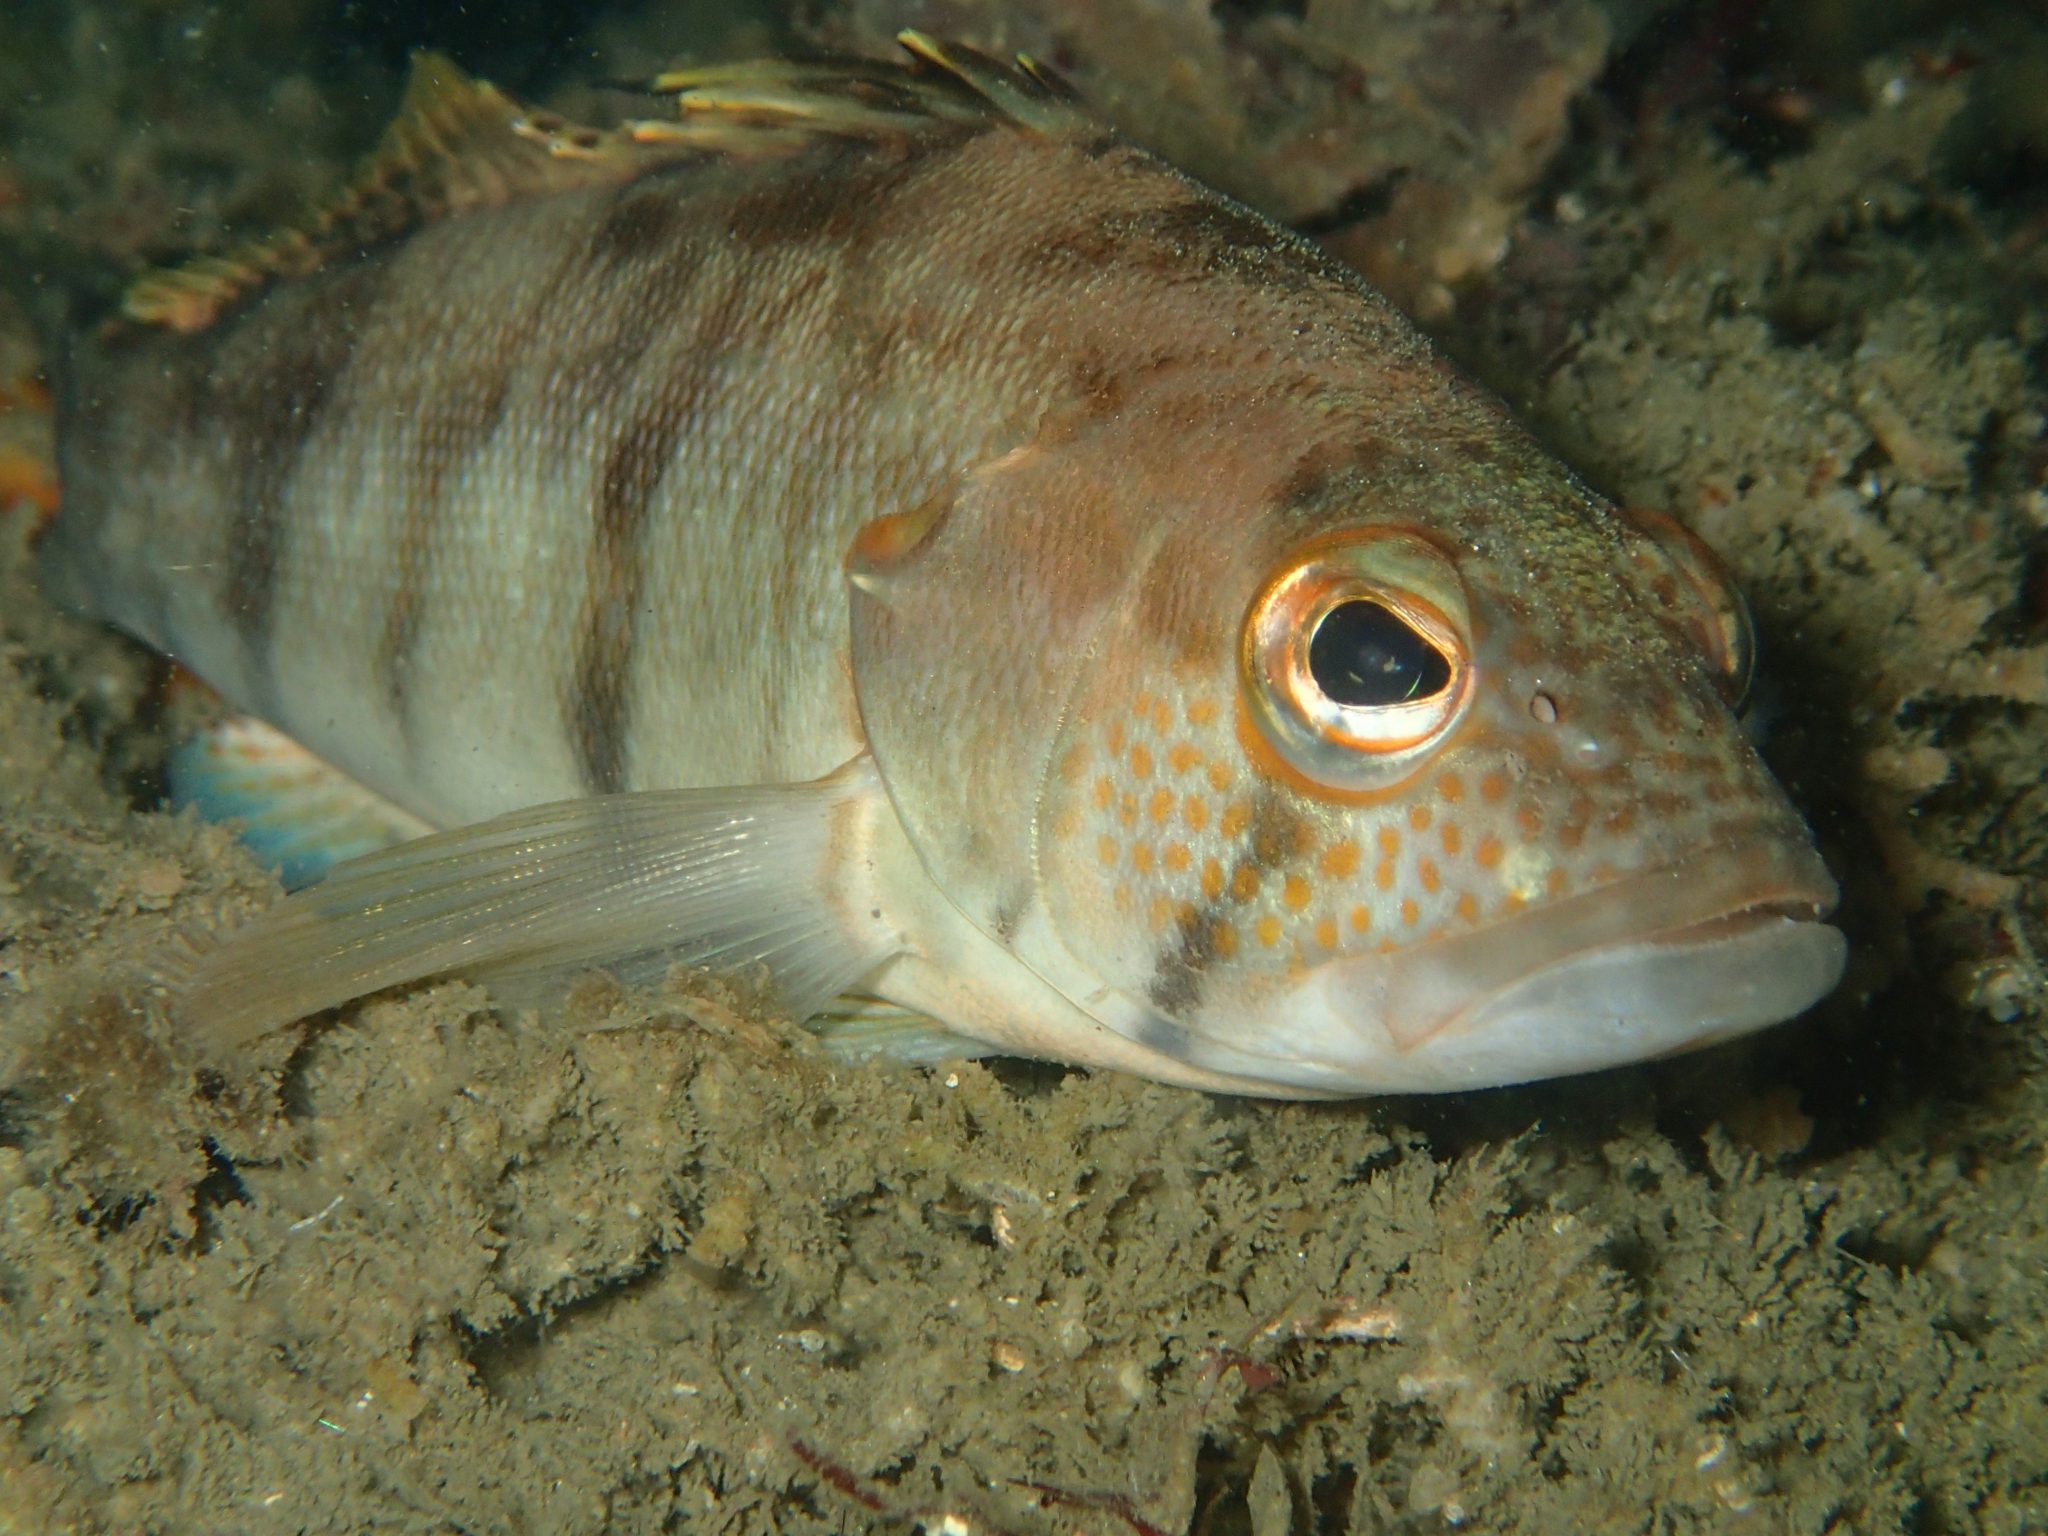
1361	777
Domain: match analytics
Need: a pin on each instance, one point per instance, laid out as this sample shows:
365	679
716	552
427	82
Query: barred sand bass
877	525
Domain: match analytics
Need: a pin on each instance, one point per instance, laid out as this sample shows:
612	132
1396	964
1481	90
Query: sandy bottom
648	1264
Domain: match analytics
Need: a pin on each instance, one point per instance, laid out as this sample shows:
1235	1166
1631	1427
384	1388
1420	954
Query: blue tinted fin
297	813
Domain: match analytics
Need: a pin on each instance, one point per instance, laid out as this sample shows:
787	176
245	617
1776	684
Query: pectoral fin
762	875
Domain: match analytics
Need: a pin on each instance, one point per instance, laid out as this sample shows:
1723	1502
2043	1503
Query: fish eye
1365	655
1355	656
1692	579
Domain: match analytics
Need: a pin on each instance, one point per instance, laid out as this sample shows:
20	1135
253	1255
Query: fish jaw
1650	966
1629	1003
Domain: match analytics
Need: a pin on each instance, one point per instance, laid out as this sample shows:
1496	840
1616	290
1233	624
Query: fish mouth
1648	965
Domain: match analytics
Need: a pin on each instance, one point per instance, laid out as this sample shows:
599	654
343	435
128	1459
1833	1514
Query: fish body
886	527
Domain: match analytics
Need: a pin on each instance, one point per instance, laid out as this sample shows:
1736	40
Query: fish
872	528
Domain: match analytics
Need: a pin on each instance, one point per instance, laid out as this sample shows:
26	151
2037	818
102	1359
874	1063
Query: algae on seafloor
647	1264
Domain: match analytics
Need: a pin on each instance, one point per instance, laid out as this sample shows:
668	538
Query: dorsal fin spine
459	143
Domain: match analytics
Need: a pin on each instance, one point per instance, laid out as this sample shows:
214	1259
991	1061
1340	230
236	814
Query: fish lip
1670	993
1734	921
1697	899
1676	957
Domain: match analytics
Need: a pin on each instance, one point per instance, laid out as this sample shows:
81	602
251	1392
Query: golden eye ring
1356	657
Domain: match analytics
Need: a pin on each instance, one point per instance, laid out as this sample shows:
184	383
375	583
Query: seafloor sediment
649	1264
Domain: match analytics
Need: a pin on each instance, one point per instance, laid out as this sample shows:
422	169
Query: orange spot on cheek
1162	805
1468	907
1141	858
1431	880
1195	812
1390	842
1219	777
1361	918
1326	932
1202	712
1141	760
1383	874
1451	787
1529	819
1411	914
1116	736
1553	883
1453	837
1157	913
1236	817
1489	852
1295	893
1178	857
1212	879
1223	939
1244	883
1340	860
1105	848
1105	792
1182	757
1162	717
1268	930
1494	786
1418	817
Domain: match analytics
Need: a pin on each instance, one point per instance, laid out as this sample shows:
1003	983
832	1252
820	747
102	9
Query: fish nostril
1543	708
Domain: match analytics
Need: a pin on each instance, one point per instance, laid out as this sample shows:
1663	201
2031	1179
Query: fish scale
878	529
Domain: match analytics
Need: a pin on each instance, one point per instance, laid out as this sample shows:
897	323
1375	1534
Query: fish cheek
1148	815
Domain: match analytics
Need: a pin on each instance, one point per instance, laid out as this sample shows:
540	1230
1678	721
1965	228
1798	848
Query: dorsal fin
943	82
457	143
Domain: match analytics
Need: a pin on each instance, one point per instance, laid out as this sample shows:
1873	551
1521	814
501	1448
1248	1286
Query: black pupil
1363	654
